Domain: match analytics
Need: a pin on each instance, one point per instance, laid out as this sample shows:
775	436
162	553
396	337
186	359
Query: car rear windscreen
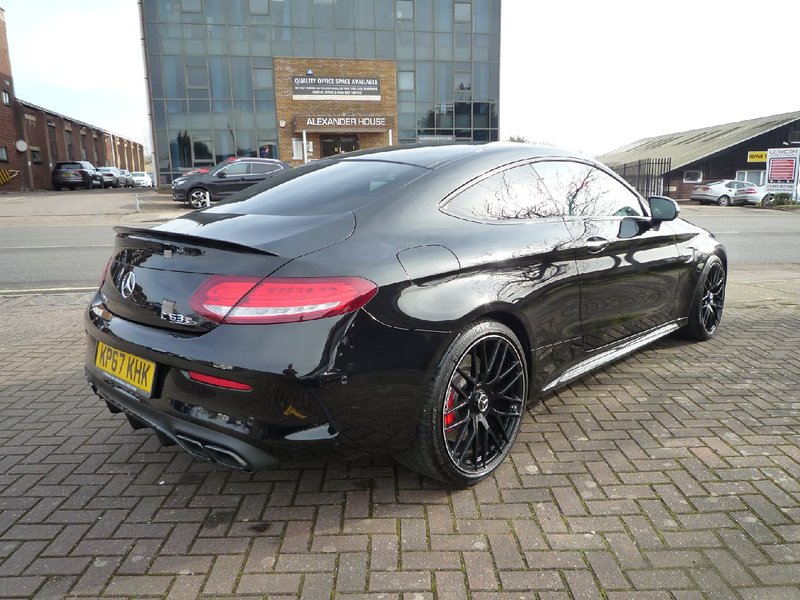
322	188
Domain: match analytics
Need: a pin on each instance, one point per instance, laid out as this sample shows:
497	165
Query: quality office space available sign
336	88
782	169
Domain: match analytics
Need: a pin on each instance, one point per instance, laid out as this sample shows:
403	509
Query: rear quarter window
515	194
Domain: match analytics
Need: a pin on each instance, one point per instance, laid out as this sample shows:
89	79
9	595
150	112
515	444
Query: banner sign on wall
336	88
782	169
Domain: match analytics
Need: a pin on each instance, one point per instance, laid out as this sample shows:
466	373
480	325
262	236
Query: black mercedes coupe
409	300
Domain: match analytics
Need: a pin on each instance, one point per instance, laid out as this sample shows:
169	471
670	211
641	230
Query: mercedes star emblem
128	284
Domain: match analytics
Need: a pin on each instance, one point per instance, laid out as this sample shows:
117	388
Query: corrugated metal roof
688	146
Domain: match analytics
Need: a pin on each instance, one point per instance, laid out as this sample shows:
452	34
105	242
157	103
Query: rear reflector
219	382
241	300
103	274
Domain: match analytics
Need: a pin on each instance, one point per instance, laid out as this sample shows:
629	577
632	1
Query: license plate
129	369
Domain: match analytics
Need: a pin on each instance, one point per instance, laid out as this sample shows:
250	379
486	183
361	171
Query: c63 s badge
168	314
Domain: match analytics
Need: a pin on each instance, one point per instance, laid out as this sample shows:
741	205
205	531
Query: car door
229	179
519	253
628	273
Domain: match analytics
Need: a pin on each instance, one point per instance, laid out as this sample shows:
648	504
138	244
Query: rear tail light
241	300
749	191
219	381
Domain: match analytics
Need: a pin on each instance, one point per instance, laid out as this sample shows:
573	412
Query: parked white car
751	194
142	179
717	192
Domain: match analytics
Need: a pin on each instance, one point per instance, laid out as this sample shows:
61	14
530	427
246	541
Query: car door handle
596	244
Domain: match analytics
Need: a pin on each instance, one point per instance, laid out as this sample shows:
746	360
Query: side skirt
612	354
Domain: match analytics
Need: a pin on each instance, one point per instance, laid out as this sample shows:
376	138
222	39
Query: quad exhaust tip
213	453
196	447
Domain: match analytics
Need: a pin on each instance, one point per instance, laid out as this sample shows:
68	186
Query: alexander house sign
336	88
341	123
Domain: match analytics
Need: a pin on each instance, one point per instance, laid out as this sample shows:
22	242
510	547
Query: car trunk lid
154	273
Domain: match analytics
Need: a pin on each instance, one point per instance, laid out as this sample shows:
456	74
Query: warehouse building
674	163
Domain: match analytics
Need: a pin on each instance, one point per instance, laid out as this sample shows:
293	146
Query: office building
304	79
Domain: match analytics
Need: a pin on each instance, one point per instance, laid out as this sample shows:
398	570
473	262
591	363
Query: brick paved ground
674	474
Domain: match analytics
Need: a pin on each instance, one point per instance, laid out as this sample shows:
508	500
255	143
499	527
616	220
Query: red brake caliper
450	417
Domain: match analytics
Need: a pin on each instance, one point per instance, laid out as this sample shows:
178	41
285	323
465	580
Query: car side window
238	168
264	167
510	195
582	190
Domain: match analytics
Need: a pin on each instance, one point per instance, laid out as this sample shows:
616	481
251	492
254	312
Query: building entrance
338	144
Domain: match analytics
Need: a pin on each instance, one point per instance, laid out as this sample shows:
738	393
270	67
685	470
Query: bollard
137	202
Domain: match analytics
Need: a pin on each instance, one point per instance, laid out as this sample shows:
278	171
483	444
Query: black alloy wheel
475	407
709	299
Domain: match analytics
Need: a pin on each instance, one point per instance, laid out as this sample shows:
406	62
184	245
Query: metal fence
646	175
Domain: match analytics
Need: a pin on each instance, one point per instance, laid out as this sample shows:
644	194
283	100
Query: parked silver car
112	177
717	192
752	194
128	178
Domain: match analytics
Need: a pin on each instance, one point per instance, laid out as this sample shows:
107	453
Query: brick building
33	139
336	105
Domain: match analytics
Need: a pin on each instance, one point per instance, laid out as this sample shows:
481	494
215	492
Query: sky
585	74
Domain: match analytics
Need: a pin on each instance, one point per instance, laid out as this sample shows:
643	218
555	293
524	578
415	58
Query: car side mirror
222	174
663	208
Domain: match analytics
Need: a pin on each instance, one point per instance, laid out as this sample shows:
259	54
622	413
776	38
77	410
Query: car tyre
473	407
724	200
199	197
708	301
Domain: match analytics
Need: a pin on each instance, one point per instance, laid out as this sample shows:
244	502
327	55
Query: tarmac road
59	241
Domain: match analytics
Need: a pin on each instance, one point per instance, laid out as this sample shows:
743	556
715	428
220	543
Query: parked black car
225	178
406	301
74	174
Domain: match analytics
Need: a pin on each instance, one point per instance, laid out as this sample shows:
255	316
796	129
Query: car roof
234	159
434	156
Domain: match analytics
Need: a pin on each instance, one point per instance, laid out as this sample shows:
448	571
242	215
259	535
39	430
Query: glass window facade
211	77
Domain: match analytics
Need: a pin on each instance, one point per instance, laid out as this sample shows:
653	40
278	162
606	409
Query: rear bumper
341	387
66	181
202	442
